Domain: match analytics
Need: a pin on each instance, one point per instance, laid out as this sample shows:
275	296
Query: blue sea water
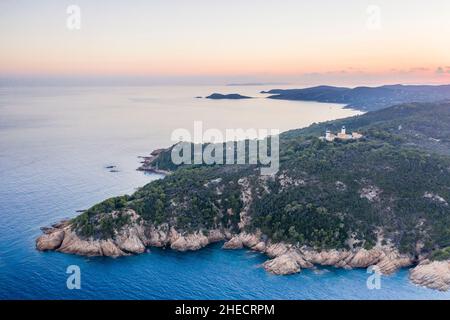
55	145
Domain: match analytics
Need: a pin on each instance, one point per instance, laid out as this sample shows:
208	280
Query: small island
231	96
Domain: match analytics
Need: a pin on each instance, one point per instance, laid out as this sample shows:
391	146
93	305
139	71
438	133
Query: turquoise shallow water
54	146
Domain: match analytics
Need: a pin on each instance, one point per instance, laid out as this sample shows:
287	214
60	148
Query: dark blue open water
54	146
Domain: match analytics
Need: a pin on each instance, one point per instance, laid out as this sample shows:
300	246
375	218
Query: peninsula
381	199
365	98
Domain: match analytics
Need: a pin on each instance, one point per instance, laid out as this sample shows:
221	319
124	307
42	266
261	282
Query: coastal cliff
284	258
133	238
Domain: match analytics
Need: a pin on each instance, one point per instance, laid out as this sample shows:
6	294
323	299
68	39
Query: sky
212	41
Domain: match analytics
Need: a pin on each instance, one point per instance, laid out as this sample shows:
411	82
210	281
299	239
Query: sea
63	149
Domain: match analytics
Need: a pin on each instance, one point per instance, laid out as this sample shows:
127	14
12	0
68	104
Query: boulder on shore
50	240
434	275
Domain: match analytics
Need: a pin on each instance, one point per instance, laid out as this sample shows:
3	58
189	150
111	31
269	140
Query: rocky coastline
285	259
148	163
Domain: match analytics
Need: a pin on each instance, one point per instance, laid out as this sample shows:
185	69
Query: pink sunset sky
209	41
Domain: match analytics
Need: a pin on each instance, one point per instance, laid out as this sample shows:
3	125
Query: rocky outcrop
149	163
130	239
288	259
110	249
248	240
282	265
50	241
157	237
371	193
188	242
391	260
290	262
327	257
434	275
276	250
436	198
74	245
363	258
130	242
287	181
233	243
386	258
216	236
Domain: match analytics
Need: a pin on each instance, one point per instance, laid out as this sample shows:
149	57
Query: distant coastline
359	98
254	84
365	98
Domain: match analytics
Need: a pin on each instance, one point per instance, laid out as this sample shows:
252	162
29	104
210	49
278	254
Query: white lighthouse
328	135
343	134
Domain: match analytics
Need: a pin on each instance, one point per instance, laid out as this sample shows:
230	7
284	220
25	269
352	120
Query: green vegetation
99	220
329	205
442	254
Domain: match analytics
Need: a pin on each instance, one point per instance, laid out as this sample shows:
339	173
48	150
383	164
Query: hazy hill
366	98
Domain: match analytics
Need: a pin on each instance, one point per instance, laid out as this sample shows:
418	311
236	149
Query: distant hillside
422	125
365	98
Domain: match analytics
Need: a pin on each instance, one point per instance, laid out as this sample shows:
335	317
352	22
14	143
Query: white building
343	135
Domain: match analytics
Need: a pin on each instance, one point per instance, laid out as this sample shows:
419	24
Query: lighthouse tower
328	135
343	131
